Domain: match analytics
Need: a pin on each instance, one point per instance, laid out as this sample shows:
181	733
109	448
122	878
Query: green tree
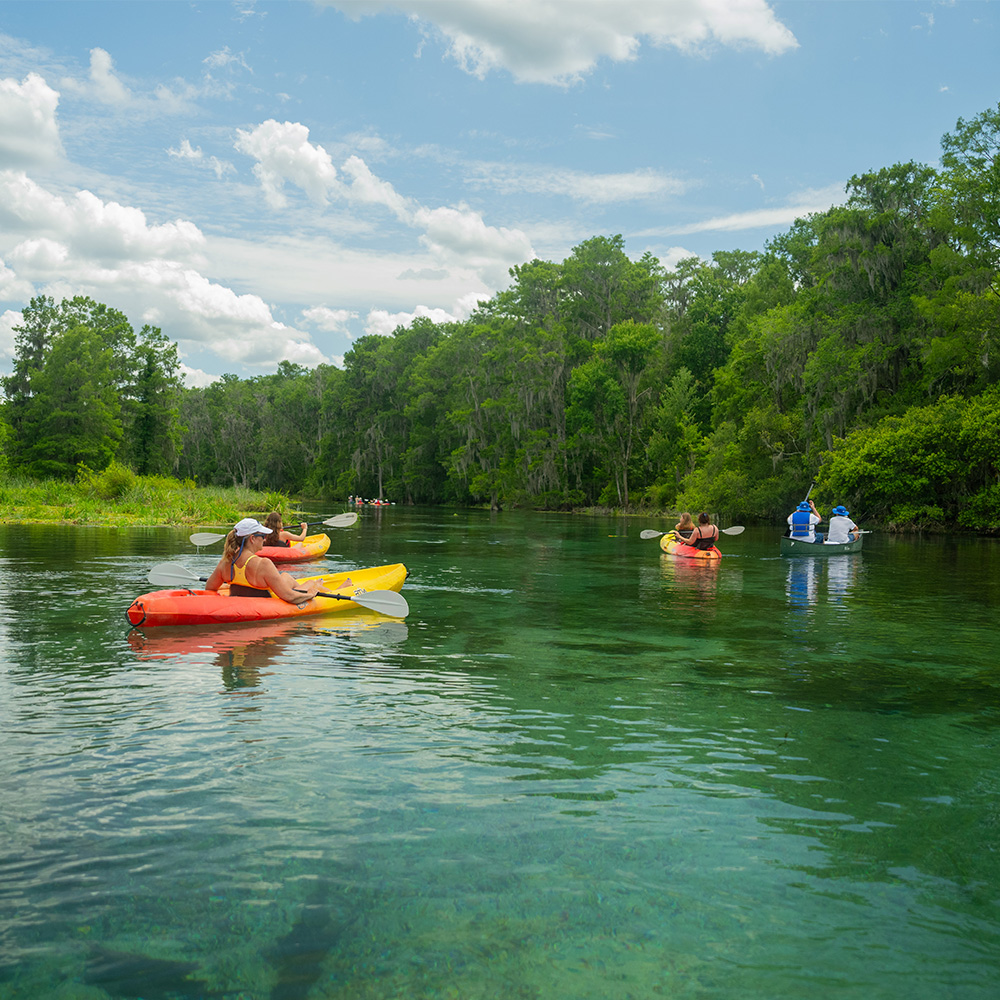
74	415
152	431
609	400
601	286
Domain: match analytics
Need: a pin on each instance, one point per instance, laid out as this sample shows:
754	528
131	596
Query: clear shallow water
579	769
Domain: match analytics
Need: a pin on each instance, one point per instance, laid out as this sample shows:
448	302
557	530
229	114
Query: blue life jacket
800	523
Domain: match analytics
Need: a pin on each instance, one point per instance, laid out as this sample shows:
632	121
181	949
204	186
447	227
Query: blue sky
271	180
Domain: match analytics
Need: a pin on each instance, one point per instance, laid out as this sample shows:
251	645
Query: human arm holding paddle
842	528
240	566
280	535
704	535
803	520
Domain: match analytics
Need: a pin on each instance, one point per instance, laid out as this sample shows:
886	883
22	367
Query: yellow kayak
200	607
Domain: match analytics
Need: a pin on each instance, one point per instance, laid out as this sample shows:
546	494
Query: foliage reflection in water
580	768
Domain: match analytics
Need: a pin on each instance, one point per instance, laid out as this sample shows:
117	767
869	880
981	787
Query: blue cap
804	505
841	511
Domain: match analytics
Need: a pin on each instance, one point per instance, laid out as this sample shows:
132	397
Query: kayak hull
204	607
311	547
802	547
672	547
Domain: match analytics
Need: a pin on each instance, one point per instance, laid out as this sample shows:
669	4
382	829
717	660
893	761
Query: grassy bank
118	497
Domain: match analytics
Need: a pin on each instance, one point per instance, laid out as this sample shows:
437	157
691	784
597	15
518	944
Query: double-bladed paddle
736	529
337	521
386	602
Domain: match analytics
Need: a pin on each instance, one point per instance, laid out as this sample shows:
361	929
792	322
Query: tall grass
117	497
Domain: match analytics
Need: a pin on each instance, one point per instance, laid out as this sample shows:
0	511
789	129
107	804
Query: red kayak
672	547
209	607
311	547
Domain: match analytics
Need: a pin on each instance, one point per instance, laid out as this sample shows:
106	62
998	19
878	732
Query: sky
269	181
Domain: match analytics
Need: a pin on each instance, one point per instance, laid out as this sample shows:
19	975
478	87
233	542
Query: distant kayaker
803	520
704	535
842	528
685	525
249	575
279	534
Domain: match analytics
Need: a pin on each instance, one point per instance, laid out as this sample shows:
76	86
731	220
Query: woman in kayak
279	536
705	534
249	575
684	526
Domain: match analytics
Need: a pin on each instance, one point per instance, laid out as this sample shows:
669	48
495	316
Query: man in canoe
842	528
248	575
803	520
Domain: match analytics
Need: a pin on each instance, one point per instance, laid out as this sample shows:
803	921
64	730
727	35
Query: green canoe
800	547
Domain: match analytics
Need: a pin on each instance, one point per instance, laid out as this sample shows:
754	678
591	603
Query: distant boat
802	547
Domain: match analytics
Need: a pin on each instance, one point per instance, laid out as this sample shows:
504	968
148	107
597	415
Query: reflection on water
802	583
578	770
701	576
835	576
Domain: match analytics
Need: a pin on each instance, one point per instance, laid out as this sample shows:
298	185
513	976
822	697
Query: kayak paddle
338	521
736	529
386	602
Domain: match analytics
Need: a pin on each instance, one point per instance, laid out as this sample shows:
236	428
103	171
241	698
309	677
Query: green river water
579	769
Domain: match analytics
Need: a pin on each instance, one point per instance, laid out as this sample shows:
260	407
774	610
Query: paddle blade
736	529
172	575
341	520
386	602
650	533
205	538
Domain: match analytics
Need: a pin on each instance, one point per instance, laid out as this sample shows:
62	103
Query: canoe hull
311	547
672	547
800	547
203	607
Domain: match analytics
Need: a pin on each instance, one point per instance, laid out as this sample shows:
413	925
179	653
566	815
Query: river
578	769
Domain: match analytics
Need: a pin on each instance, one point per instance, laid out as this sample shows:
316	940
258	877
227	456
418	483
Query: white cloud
195	378
604	189
29	135
329	320
13	288
102	85
283	152
85	246
88	226
456	234
369	189
106	86
459	234
185	151
551	42
672	256
224	59
383	323
8	321
805	204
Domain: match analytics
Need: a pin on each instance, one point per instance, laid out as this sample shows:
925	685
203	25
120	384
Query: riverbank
117	497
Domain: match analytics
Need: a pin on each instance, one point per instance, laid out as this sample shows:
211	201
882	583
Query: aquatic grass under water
578	770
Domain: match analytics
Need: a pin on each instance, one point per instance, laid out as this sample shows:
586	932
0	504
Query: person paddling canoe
803	520
250	575
842	529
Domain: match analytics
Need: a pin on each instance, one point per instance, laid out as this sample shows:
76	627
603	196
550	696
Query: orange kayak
311	547
203	607
672	547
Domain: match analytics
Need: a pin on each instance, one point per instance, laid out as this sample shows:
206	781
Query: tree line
859	350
